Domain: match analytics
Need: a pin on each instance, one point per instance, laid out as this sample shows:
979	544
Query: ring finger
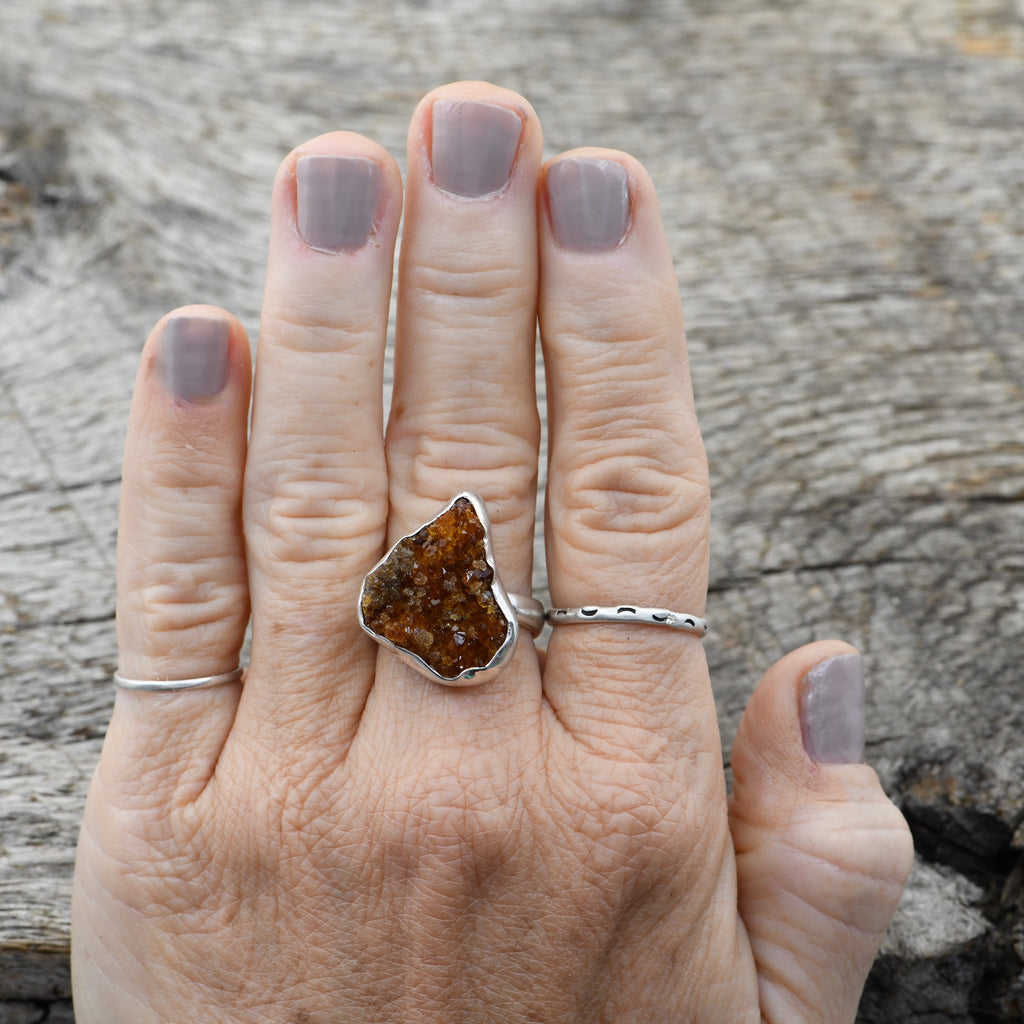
315	487
182	595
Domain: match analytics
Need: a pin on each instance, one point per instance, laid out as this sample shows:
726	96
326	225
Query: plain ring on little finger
176	683
182	589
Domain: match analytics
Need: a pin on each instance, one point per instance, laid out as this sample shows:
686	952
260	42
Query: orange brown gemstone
433	597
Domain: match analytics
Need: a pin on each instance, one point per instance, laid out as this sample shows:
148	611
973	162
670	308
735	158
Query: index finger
627	496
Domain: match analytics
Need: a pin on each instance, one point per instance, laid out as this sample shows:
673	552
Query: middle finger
464	409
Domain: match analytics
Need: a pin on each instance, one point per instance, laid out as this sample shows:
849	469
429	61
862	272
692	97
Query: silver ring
171	685
629	613
436	601
530	613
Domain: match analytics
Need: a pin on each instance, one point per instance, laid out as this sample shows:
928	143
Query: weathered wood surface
843	182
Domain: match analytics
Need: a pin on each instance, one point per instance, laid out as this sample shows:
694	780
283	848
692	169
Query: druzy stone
433	595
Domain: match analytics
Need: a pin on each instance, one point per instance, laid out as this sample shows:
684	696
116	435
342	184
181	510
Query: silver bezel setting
478	673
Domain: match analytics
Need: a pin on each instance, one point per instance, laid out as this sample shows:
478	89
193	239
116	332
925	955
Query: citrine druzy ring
435	599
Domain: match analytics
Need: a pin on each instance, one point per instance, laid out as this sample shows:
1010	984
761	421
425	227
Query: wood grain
843	185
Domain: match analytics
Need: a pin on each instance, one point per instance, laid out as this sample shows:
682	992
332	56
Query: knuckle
464	291
880	854
615	315
642	496
316	514
188	604
857	857
297	531
490	460
210	474
311	321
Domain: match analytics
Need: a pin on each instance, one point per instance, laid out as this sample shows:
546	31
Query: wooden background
843	182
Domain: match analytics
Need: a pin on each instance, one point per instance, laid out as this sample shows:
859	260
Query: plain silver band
629	613
529	612
199	683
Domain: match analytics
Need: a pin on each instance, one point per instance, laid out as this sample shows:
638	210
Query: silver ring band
530	613
629	613
199	683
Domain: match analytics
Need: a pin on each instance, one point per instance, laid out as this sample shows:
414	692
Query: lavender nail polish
473	147
193	359
589	203
832	710
336	201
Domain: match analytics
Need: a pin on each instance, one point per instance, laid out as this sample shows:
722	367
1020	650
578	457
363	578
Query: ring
199	683
629	613
435	599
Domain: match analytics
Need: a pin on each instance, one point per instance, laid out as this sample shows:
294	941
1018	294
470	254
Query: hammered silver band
629	613
171	685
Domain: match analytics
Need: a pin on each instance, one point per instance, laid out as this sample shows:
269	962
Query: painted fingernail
832	710
589	203
194	356
473	147
336	201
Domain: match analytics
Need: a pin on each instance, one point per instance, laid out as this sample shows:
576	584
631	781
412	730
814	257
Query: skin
341	840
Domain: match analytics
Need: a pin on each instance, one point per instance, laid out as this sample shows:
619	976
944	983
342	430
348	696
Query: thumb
821	852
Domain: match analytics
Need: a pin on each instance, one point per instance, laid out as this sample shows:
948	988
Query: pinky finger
182	605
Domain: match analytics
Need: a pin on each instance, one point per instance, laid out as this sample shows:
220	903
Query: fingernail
589	203
194	356
336	200
832	710
473	147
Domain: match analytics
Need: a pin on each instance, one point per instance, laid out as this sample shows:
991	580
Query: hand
342	840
